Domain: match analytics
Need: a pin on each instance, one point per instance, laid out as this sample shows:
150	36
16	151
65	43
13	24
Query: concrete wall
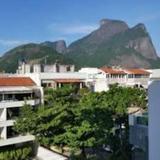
50	68
154	120
101	85
36	68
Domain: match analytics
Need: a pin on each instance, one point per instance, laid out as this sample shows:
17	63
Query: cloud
72	29
82	29
149	17
10	43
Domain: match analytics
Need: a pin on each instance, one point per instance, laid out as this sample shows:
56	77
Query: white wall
154	120
101	85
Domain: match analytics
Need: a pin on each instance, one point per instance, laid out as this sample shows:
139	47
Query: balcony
117	80
142	81
6	123
16	140
14	103
129	81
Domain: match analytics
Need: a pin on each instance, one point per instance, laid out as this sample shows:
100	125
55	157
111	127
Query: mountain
32	53
59	46
114	43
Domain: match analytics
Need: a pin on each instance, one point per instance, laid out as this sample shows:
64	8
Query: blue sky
23	21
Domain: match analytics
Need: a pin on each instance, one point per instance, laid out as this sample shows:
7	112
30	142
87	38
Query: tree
26	122
83	119
90	129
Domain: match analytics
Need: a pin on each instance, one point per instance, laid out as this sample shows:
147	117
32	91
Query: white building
57	80
105	76
155	74
127	77
96	79
24	68
14	93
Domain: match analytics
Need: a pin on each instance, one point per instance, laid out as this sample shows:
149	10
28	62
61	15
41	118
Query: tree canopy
80	118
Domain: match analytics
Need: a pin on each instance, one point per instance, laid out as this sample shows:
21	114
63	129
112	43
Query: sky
25	21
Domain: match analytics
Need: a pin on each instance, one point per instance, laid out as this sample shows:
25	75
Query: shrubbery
22	153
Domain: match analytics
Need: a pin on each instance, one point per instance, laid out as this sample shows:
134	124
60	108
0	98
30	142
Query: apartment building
151	128
93	78
127	77
96	79
15	91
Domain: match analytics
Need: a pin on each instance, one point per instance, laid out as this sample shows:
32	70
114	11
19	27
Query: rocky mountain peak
106	23
59	46
109	28
115	43
140	26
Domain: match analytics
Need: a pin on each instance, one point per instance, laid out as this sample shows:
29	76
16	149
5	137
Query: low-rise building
24	68
127	77
15	92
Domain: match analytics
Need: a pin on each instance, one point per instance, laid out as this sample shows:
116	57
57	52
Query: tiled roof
112	70
68	80
137	71
16	81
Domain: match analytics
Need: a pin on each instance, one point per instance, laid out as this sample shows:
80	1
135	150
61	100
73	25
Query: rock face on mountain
114	43
90	43
59	46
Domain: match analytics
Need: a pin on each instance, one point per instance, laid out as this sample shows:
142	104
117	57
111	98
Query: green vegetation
80	119
35	53
21	153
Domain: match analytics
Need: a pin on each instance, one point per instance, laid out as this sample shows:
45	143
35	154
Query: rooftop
112	70
16	81
138	71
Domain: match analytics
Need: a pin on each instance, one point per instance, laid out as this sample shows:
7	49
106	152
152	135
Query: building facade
154	110
24	68
15	92
127	77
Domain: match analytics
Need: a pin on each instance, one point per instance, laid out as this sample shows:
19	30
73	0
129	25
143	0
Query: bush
16	154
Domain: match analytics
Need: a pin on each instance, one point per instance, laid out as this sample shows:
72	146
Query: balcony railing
16	140
14	103
7	123
142	81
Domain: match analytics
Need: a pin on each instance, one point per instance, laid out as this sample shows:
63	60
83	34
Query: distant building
24	68
127	77
96	79
58	80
